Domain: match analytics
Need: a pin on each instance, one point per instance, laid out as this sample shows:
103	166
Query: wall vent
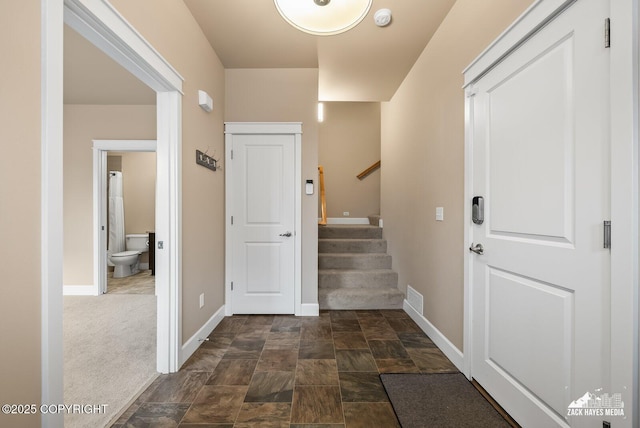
415	299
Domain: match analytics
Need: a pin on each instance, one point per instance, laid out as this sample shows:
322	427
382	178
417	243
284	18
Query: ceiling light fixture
323	17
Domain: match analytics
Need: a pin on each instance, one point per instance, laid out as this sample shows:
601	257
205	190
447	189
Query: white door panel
519	306
531	136
540	291
262	234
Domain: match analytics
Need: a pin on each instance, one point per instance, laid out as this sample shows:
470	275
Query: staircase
354	269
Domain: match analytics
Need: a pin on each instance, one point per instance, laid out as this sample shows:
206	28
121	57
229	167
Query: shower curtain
116	214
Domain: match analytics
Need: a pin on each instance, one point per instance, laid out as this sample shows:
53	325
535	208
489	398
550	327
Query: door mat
439	400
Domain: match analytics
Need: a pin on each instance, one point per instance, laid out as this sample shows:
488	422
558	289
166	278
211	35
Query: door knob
478	249
287	234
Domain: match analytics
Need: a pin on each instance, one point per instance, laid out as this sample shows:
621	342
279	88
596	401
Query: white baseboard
448	348
191	345
80	290
347	220
309	310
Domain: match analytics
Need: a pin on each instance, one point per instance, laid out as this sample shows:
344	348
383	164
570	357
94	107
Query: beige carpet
109	353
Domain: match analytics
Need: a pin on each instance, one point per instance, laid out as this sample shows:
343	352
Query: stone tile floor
141	283
285	371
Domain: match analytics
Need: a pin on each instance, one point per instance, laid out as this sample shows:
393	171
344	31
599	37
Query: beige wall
285	95
139	191
350	143
82	125
20	211
423	160
171	29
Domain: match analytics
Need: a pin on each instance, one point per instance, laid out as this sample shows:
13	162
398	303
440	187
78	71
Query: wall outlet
202	300
380	223
345	214
439	213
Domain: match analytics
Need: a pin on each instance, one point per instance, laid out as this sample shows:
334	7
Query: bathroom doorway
140	168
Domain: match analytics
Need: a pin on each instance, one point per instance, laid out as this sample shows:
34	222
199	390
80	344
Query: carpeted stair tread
360	298
354	269
334	245
363	261
355	278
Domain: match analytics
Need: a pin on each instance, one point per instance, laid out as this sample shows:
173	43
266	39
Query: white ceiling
367	63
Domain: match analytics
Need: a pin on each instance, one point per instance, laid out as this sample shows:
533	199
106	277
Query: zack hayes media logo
591	404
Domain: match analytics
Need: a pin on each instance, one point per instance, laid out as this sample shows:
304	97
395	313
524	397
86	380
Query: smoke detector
382	17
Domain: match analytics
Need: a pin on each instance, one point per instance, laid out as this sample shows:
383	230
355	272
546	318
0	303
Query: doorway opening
103	151
110	32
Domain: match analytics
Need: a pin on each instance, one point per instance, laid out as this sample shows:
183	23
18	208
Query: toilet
126	262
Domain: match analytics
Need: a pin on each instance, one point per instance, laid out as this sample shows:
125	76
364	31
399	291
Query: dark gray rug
439	400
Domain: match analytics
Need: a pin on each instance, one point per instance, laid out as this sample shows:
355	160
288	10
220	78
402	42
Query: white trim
228	248
347	220
441	341
169	260
100	149
624	206
467	335
262	128
284	128
296	128
534	18
125	145
51	185
309	310
80	290
100	219
194	342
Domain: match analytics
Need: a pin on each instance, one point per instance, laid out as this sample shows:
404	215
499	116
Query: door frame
100	149
624	77
102	25
252	128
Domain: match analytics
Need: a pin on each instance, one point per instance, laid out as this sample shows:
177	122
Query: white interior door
541	289
263	229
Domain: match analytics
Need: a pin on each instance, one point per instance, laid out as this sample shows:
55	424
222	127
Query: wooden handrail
323	198
368	171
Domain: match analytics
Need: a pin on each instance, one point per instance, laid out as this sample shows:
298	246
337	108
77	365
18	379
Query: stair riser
344	301
345	232
369	261
354	270
358	279
351	246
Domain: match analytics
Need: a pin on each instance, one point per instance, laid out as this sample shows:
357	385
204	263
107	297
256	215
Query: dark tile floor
286	371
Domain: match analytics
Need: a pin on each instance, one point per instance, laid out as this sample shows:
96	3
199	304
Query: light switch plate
439	213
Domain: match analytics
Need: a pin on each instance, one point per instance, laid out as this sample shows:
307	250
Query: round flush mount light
323	17
382	17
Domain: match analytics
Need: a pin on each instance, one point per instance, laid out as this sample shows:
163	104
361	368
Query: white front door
541	289
263	229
